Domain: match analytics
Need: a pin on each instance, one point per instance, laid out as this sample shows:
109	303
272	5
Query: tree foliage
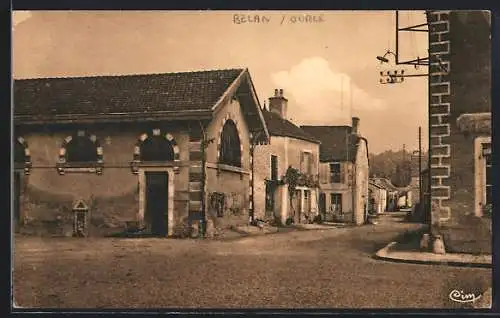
396	166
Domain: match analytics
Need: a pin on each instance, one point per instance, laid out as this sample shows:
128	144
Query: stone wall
288	150
230	184
47	197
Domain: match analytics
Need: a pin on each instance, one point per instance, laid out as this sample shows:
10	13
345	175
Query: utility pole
420	194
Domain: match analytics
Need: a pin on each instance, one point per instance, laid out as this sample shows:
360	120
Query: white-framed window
482	174
335	172
306	162
336	202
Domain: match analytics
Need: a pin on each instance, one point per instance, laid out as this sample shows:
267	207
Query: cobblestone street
302	269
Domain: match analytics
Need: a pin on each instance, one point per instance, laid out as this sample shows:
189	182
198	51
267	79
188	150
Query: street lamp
383	58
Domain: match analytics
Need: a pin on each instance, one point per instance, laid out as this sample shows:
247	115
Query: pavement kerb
387	255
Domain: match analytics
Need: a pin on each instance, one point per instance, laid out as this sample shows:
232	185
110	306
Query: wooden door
157	202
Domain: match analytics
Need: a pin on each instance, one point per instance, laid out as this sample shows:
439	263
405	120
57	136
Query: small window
230	148
335	176
274	167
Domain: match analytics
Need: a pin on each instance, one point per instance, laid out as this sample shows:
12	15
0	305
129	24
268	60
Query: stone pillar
439	113
284	203
195	173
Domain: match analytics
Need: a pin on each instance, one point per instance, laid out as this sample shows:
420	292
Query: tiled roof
386	183
279	126
335	142
131	94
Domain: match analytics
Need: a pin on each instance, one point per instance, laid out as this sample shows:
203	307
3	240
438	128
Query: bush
276	221
487	210
289	221
318	219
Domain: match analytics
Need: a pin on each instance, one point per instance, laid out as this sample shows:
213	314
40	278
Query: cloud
320	94
20	16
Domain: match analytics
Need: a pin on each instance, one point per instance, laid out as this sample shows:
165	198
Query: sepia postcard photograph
251	160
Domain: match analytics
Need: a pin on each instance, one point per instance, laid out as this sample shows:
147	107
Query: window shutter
312	160
301	161
343	171
324	173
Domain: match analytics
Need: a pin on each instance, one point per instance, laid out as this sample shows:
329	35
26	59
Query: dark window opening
336	202
489	181
269	198
19	152
230	149
335	175
81	149
274	167
157	148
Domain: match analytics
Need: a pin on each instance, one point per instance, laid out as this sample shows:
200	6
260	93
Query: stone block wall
47	197
459	82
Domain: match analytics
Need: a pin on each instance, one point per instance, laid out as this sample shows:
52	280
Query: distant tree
397	166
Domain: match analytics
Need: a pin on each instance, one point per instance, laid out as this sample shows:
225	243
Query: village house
378	196
343	172
161	151
460	124
289	146
392	193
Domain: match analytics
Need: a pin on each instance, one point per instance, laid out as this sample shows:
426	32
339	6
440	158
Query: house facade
288	146
378	196
162	151
392	193
343	172
460	115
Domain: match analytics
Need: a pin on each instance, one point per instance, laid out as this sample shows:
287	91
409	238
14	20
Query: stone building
343	172
162	151
392	193
289	146
460	117
378	196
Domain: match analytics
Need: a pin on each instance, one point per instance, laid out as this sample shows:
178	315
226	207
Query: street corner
393	252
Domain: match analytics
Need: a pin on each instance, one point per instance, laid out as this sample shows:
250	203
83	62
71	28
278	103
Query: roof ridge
241	69
325	126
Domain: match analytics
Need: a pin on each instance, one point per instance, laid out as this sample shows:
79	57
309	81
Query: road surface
330	268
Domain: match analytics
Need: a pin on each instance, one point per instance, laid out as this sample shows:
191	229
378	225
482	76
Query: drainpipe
204	144
253	144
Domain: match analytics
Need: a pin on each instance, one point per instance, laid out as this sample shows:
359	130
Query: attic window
230	148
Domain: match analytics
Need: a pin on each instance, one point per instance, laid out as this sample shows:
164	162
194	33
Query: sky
325	61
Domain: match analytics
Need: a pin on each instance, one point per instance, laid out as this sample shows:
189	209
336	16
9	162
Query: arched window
230	148
81	149
19	152
156	148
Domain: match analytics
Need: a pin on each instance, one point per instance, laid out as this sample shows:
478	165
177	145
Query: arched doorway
156	152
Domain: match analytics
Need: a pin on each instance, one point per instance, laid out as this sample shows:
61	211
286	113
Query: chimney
278	103
355	126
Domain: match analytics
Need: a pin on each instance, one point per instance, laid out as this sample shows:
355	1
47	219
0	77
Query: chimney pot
355	125
278	104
